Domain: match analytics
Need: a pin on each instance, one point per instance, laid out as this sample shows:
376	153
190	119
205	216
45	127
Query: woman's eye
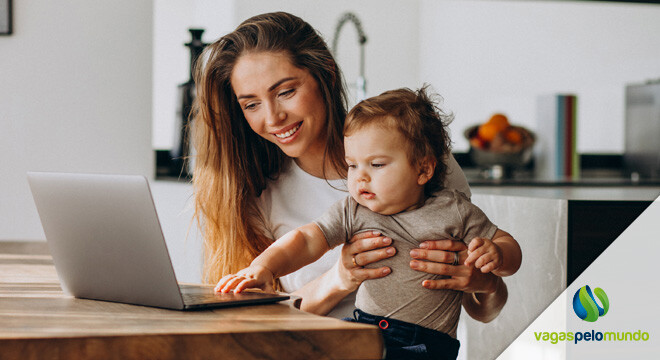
249	106
352	166
286	93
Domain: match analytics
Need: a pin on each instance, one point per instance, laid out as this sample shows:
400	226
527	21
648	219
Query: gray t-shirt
446	215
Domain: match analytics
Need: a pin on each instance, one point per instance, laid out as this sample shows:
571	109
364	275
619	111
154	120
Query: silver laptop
107	244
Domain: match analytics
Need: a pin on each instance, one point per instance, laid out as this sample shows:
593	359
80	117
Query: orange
487	131
475	142
500	121
513	136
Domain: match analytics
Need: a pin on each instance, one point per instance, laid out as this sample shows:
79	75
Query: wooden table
38	321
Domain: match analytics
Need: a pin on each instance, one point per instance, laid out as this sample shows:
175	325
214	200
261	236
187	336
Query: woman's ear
426	170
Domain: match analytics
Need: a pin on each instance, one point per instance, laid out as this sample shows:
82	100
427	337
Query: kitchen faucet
361	82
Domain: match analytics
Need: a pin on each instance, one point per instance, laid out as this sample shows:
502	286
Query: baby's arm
289	253
501	255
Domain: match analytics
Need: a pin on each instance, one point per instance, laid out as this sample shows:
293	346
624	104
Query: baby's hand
484	254
250	277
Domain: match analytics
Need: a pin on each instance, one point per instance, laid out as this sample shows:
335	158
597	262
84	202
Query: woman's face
281	103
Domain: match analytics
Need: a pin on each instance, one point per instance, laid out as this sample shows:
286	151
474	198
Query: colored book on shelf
568	136
571	158
561	137
575	157
556	153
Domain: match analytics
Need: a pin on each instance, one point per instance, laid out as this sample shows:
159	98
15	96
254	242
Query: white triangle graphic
629	272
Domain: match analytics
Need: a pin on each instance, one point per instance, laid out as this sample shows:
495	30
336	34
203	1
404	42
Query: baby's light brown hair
416	116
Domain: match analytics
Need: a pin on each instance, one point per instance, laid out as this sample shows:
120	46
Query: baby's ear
426	169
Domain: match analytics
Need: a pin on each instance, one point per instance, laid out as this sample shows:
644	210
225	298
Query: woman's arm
485	307
321	295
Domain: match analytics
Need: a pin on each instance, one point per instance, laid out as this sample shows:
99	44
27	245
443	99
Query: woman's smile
287	134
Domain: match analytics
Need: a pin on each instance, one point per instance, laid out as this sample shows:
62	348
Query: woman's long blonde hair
232	164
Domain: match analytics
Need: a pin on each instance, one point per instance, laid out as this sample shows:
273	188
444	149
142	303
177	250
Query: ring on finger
355	262
454	263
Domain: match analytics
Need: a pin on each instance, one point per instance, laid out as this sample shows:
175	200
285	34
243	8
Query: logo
585	305
587	309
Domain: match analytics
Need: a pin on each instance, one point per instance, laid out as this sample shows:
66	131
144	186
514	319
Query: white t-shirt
297	198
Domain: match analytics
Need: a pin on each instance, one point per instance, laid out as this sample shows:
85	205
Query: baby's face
380	175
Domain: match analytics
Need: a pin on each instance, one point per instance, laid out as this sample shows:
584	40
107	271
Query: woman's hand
486	292
363	249
436	257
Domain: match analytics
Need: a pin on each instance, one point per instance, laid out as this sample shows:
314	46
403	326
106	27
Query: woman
267	131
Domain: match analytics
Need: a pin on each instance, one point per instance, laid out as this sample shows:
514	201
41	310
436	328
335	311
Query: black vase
180	160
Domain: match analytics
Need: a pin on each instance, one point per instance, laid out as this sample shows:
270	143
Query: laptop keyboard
200	298
195	294
199	294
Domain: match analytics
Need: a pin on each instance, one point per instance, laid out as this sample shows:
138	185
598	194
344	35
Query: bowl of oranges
497	142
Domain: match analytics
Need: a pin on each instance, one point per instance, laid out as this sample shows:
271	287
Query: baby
395	145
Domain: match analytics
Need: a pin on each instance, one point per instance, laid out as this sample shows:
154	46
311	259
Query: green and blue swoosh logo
585	305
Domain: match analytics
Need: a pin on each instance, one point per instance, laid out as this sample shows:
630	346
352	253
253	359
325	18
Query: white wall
75	95
171	58
498	56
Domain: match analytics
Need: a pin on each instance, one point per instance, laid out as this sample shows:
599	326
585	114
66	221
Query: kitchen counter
38	321
574	192
597	170
583	182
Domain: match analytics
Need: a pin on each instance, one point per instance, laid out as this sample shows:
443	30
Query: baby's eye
352	166
377	165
